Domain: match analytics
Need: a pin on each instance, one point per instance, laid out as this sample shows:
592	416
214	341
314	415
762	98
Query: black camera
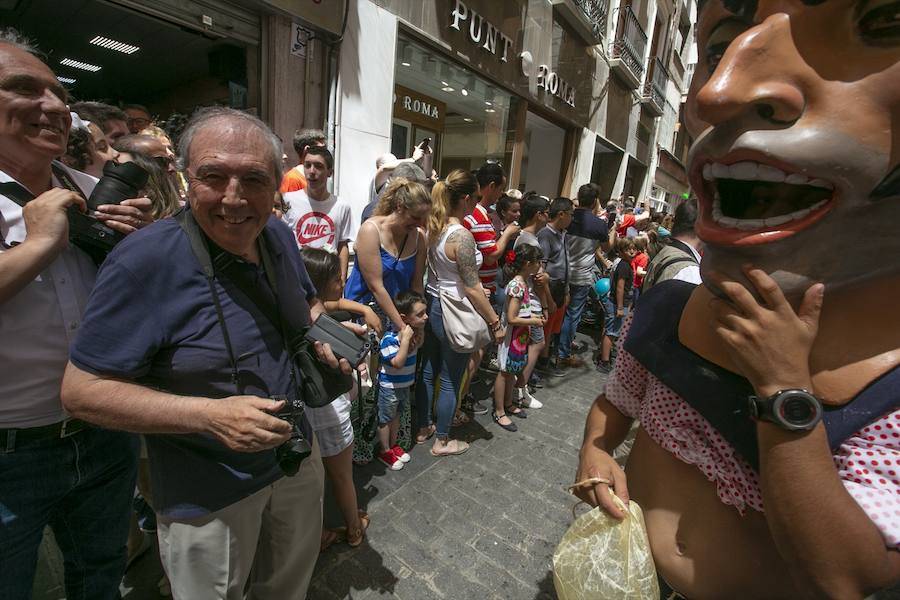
119	182
293	452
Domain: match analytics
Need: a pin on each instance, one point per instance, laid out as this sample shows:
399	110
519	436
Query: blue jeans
613	323
441	366
391	402
82	487
578	295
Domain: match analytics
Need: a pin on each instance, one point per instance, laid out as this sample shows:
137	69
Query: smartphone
344	343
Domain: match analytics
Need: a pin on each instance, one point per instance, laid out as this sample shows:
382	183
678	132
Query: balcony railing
628	47
596	12
655	86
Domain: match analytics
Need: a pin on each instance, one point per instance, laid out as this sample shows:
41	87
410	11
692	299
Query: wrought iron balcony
596	12
587	17
627	51
654	93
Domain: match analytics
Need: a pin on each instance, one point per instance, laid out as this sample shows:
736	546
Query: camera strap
223	260
21	195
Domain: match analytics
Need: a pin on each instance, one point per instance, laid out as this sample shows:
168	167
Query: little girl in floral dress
517	318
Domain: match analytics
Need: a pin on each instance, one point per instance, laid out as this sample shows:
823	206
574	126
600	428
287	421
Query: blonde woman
453	262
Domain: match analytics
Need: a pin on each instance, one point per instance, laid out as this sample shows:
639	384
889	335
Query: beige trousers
270	538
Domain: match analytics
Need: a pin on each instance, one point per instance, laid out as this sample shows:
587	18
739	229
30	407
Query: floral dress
513	352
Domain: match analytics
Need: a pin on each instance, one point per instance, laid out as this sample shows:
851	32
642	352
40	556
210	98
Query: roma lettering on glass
417	106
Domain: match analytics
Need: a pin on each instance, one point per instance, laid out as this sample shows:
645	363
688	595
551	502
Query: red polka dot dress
868	462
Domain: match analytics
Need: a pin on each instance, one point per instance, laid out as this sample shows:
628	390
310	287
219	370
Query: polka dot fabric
868	462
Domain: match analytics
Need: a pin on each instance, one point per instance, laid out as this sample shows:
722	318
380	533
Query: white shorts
331	424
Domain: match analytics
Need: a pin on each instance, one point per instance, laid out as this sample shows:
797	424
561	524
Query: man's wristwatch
792	409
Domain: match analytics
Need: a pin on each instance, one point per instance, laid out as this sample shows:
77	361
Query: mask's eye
719	39
880	23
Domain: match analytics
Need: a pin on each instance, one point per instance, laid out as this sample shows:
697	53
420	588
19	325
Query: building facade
561	92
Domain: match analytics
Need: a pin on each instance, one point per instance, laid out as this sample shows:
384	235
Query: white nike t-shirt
318	224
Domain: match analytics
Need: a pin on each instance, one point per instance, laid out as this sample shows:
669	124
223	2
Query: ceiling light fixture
464	92
444	83
447	88
77	64
489	110
114	45
66	80
488	103
467	119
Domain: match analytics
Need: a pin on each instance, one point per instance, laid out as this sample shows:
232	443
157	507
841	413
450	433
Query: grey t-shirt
553	243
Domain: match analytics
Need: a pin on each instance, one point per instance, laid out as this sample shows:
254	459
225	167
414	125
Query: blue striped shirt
390	376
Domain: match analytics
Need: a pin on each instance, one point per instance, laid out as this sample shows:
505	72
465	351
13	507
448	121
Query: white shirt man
318	218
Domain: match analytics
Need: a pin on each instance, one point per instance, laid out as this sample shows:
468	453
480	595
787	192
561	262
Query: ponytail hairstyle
401	193
445	198
516	259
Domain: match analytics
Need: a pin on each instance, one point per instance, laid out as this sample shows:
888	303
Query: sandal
461	448
460	419
516	412
330	537
355	538
510	427
422	440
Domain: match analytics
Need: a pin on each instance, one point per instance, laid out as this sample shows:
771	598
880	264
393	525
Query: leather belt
11	438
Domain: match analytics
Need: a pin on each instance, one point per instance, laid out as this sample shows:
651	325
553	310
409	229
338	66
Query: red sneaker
401	454
390	459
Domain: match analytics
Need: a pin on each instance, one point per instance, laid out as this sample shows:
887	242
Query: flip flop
364	521
461	448
330	537
460	419
421	440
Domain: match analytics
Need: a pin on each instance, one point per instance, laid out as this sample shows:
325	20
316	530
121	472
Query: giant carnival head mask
795	106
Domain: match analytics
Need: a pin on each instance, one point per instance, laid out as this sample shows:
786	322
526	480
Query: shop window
542	159
466	116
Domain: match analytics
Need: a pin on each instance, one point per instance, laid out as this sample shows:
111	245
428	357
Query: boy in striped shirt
398	373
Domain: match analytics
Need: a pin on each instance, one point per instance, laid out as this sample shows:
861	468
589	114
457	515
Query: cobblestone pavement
477	526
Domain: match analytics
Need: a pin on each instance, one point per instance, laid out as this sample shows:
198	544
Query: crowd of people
185	332
763	409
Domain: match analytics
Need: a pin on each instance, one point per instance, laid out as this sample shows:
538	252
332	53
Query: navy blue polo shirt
150	319
585	233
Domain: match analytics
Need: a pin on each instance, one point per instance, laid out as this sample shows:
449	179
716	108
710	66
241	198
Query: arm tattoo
465	257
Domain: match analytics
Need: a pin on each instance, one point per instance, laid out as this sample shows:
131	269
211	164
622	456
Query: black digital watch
791	409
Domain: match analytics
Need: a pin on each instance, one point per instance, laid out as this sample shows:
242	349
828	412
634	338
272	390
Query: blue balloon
601	286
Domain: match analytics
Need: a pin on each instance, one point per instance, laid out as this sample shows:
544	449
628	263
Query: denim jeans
578	295
441	366
82	487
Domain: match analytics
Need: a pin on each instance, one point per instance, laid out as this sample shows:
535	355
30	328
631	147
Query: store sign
418	108
481	31
552	83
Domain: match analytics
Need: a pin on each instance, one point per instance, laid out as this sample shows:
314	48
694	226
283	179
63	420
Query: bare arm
604	430
371	319
831	545
501	244
417	284
368	261
405	338
464	246
343	251
48	233
620	294
242	423
513	318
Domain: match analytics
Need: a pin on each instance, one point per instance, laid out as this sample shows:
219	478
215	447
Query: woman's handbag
464	328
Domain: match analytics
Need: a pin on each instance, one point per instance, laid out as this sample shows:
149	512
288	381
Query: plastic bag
600	557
